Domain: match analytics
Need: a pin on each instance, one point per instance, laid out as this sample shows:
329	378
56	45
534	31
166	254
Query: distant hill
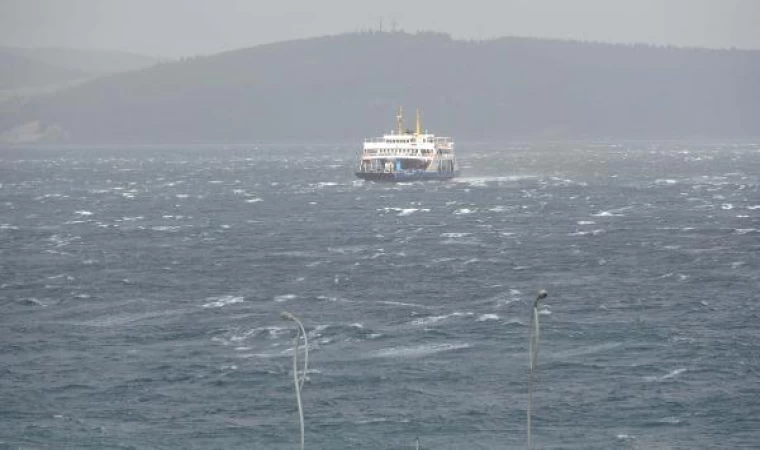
23	68
344	87
22	72
89	61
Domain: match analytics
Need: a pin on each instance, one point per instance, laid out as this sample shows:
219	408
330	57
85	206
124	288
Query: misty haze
339	225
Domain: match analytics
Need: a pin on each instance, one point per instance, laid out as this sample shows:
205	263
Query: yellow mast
418	128
400	120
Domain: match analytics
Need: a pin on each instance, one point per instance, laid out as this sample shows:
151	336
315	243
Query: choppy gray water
141	292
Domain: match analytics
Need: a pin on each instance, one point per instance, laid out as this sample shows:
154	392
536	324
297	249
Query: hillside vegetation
344	87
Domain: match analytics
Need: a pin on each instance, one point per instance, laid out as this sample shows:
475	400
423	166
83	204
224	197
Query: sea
142	292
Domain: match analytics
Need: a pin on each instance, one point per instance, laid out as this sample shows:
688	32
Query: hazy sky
188	27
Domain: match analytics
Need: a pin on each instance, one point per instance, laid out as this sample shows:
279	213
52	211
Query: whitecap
612	212
667	376
334	299
670	420
484	317
429	320
218	302
419	350
83	213
166	228
463	211
32	301
394	303
269	333
285	297
454	235
727	206
586	222
254	200
587	233
61	241
746	230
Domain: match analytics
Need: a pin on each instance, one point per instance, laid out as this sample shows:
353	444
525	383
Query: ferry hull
396	177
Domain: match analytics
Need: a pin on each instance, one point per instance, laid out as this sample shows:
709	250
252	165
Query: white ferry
407	156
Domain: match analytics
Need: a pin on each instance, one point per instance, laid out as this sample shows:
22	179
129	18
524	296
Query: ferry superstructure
406	155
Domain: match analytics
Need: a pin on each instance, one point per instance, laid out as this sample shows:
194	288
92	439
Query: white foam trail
481	181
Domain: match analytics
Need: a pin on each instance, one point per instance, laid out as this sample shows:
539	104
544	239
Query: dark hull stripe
400	176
